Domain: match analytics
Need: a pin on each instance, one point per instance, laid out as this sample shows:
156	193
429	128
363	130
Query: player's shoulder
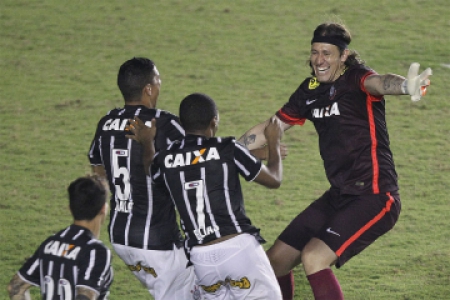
358	70
227	142
112	114
165	114
164	117
222	140
94	245
97	244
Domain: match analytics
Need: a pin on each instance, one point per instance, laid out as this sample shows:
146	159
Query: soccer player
202	174
143	229
345	101
73	263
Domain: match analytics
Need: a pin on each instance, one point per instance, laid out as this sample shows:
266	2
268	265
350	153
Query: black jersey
70	258
351	124
142	214
202	175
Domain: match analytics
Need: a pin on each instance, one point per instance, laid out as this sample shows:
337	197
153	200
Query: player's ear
344	55
148	89
104	209
214	124
215	121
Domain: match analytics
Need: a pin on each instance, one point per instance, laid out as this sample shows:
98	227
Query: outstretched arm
18	289
414	84
388	84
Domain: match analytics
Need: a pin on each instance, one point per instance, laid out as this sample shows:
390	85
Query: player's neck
144	101
92	225
205	133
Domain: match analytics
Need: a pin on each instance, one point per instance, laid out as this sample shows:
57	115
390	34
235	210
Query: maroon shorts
346	229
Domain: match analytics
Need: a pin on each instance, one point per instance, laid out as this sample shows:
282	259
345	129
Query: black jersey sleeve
30	270
294	112
94	154
247	164
95	269
357	76
155	170
168	130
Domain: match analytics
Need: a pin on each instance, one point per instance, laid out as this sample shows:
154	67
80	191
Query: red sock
325	286
286	283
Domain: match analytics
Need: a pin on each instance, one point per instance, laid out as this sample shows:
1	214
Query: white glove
416	85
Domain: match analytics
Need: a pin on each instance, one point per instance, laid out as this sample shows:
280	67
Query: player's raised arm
272	173
145	135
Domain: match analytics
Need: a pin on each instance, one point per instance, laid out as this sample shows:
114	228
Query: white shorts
237	268
164	273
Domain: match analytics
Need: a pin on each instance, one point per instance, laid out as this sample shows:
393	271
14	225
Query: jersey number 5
119	172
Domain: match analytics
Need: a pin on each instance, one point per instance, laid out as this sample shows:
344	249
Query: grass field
58	67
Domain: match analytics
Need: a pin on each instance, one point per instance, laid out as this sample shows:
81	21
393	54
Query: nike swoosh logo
332	232
308	102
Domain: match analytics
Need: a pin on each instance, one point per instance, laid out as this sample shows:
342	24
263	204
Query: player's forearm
254	138
85	294
388	84
18	289
99	171
274	164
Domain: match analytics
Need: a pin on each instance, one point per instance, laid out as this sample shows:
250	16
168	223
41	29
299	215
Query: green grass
59	62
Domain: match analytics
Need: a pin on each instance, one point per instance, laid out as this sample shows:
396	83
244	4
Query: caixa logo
60	249
191	158
328	111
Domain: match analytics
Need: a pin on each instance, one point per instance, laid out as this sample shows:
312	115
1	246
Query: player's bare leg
283	259
317	258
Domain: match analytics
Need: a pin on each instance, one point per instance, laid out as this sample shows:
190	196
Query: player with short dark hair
202	174
344	99
143	229
73	263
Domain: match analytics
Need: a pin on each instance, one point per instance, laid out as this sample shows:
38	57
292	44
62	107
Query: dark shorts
346	229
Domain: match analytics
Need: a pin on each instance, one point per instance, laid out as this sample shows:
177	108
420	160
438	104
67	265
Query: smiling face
327	61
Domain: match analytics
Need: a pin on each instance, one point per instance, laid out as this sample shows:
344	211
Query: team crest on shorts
196	295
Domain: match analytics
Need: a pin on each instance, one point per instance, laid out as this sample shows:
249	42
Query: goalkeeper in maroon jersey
345	101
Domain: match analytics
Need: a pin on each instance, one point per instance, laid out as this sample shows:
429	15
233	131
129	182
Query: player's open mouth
322	70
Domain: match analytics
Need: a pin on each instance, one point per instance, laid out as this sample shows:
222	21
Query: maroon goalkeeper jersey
351	124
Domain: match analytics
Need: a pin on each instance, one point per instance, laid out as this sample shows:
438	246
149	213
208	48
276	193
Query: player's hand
273	130
142	132
415	84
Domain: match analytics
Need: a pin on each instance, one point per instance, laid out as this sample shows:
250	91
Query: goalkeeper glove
416	85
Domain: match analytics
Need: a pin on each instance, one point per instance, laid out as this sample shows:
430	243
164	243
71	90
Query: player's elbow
274	184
